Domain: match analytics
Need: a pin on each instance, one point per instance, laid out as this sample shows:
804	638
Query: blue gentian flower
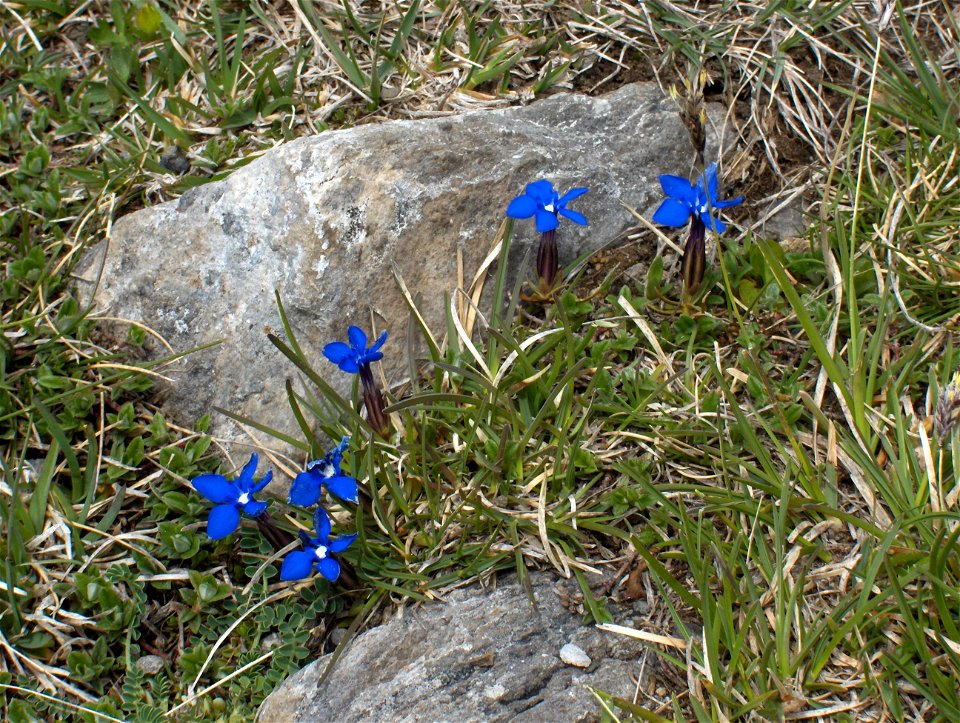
541	200
231	497
352	357
685	200
355	358
318	553
326	472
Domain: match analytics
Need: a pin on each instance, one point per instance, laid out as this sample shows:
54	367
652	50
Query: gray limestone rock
482	655
326	219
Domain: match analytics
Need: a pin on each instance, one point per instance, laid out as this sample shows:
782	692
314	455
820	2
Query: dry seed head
948	407
884	10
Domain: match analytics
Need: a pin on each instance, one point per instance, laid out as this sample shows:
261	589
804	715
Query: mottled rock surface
324	219
483	655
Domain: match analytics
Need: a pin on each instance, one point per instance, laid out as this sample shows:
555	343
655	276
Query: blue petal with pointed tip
571	194
546	221
357	338
245	481
369	357
223	520
321	523
329	568
262	483
714	224
342	543
336	351
254	508
672	213
297	565
541	191
343	487
381	340
342	355
305	490
709	182
729	204
216	488
678	188
522	207
574	216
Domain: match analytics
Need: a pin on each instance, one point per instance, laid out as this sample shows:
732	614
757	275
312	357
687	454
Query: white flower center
327	470
703	208
549	207
321	552
244	498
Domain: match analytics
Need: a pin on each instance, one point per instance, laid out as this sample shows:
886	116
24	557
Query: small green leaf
654	278
148	20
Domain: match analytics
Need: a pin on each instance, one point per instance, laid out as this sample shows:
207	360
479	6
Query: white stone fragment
150	664
572	655
494	692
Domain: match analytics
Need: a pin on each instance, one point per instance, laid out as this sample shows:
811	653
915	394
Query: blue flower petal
262	483
574	216
709	183
245	481
522	207
342	543
728	204
678	188
329	568
343	487
222	521
254	508
542	192
357	338
305	490
368	357
672	213
216	488
337	351
321	523
546	221
714	224
297	565
350	365
381	340
571	194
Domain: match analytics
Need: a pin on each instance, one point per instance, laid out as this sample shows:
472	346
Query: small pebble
270	642
174	160
572	655
150	664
